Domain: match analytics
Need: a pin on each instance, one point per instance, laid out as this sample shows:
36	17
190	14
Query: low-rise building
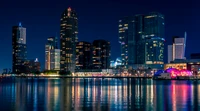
32	66
189	64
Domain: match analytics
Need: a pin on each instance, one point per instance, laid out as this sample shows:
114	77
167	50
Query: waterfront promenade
69	76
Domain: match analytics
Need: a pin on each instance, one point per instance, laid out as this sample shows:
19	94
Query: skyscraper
83	55
101	54
52	54
154	38
126	39
142	40
68	40
179	44
19	51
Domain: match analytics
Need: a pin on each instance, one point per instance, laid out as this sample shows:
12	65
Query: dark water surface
66	94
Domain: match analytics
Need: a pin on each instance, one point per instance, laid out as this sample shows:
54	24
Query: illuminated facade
188	65
125	30
101	54
52	54
142	40
68	40
154	38
19	50
178	66
83	55
177	49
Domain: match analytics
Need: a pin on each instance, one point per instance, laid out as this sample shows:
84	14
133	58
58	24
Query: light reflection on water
98	94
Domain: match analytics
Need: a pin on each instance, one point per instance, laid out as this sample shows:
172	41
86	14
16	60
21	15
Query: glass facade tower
68	40
52	54
142	39
83	55
101	54
19	51
154	36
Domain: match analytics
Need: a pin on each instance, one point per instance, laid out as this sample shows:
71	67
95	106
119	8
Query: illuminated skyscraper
179	44
142	40
126	31
154	38
68	40
101	54
177	49
19	51
52	54
83	55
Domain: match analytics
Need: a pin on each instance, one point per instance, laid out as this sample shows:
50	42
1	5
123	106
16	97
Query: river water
96	94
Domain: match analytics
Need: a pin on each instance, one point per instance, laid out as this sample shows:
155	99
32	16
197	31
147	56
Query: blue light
20	24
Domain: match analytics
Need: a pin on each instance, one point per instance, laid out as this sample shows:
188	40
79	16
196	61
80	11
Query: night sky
98	19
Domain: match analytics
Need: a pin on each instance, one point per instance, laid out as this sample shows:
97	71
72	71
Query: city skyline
112	33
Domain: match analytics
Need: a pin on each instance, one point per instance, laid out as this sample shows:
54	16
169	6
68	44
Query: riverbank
67	76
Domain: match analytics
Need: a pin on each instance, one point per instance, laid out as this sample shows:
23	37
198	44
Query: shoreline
117	77
80	77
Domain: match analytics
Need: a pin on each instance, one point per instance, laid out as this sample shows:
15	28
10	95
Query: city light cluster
175	72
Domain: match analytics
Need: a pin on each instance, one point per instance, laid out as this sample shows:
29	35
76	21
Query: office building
83	55
177	49
154	37
32	66
68	40
101	54
19	52
142	40
52	54
125	40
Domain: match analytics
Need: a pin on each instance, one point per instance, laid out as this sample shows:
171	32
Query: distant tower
68	40
83	55
19	51
52	54
178	48
101	54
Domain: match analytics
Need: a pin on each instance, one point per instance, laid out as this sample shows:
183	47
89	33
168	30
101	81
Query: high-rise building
142	40
101	54
177	49
83	55
52	54
68	40
126	40
19	51
154	38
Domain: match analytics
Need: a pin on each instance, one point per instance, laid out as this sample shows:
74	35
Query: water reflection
97	94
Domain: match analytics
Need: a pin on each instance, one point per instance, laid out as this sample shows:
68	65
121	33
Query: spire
185	37
69	9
